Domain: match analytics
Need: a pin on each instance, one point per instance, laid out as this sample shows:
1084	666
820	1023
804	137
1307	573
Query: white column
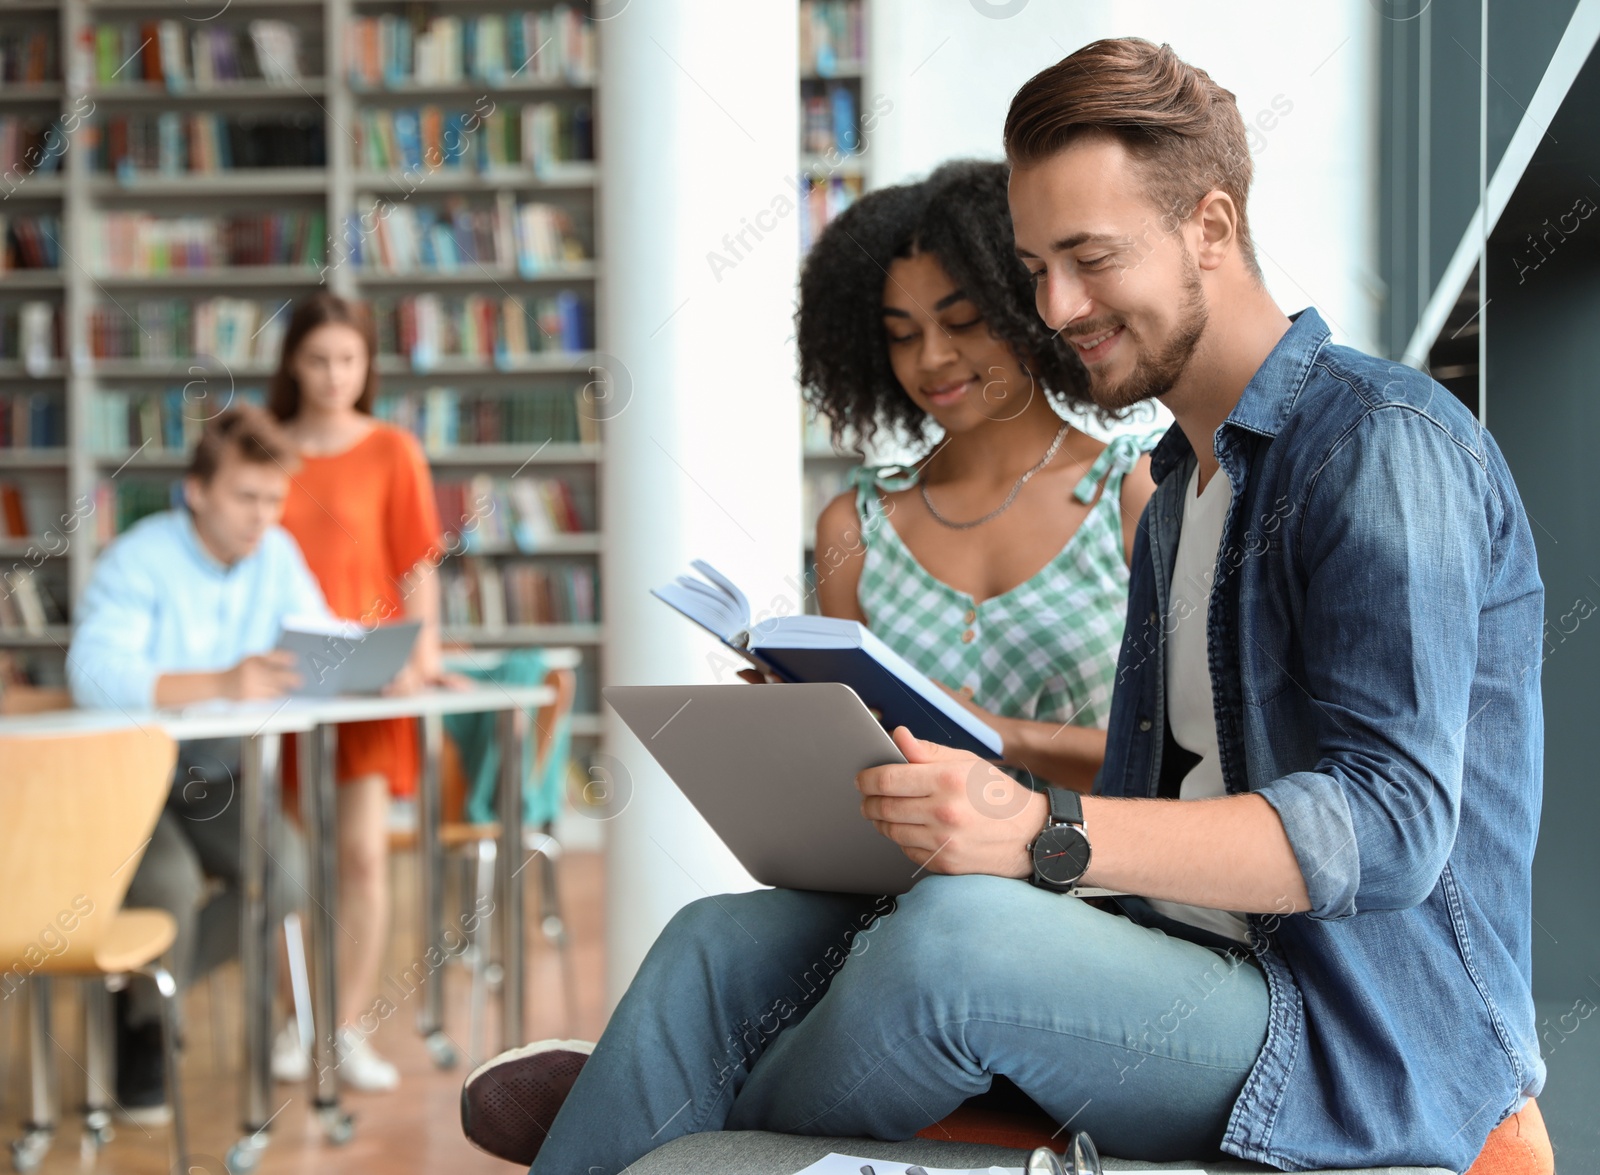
698	238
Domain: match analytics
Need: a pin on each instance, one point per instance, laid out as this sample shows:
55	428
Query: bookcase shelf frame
77	193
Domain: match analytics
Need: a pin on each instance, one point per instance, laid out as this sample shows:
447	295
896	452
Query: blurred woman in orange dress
362	509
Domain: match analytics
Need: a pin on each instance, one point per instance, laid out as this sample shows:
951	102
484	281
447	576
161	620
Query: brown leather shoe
508	1104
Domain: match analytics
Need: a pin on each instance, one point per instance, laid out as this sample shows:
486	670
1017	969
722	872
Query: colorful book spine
175	54
32	420
425	328
139	243
445	418
172	143
228	330
478	594
554	44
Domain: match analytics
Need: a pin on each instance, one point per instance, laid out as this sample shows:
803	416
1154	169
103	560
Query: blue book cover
571	313
408	136
172	438
469	46
844	119
456	137
397	69
516	43
826	648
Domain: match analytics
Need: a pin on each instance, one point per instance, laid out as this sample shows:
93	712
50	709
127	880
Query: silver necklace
1049	454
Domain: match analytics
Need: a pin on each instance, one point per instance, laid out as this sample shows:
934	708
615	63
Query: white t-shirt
1189	703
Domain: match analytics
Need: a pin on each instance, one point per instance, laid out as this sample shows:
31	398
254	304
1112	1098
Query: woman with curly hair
997	563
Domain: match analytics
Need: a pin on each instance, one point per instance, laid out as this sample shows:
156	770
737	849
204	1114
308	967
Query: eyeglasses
1081	1158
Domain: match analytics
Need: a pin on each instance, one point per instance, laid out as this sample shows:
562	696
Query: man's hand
952	811
265	675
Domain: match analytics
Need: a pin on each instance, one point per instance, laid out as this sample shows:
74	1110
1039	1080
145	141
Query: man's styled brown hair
1183	130
322	308
247	431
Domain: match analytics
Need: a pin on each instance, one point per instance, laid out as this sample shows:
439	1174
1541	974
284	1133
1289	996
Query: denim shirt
1375	643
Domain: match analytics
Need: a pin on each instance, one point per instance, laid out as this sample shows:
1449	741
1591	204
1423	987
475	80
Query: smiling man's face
1114	274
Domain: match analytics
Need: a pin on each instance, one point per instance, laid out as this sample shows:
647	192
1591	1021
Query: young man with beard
1323	767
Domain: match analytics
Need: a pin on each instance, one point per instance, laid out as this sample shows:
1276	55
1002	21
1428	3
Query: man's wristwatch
1061	851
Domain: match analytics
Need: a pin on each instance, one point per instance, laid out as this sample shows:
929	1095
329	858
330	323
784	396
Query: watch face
1061	854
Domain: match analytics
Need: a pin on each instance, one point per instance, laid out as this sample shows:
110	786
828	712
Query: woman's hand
420	675
408	681
756	677
999	723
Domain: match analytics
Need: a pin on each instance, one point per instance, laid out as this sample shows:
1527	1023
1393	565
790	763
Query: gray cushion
751	1153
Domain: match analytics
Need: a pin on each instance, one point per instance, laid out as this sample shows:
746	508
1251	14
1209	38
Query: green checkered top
1045	650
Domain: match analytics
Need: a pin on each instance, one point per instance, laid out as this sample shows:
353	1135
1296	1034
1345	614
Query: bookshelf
200	174
836	101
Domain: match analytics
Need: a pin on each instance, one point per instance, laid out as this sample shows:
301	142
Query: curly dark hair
960	215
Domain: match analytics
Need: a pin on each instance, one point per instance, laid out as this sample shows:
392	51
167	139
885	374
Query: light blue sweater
159	602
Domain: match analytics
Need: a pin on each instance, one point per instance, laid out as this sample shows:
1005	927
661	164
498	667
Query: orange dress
364	518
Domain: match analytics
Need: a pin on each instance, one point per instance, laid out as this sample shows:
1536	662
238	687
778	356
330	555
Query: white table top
473	700
245	719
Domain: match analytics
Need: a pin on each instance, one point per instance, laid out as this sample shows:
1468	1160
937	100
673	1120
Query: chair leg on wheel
482	936
554	925
99	1067
29	1151
168	988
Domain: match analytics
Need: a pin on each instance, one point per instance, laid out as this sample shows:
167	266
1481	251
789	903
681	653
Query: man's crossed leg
827	1014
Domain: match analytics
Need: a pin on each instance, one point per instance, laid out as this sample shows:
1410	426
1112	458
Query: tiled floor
417	1128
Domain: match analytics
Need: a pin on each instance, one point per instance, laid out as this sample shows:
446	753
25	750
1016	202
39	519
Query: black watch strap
1066	806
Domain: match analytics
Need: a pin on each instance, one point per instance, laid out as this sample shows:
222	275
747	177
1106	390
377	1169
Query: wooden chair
76	813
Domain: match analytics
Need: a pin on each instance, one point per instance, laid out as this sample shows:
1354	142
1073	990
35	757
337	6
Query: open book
824	648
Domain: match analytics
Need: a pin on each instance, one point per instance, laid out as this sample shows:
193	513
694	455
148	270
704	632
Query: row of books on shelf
32	420
30	242
554	44
140	243
119	503
444	418
475	593
534	136
28	603
825	197
30	144
831	122
167	421
170	143
226	330
220	332
831	32
30	332
497	330
410	236
189	54
28	56
501	513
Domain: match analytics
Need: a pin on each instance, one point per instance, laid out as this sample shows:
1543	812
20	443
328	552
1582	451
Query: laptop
342	657
772	769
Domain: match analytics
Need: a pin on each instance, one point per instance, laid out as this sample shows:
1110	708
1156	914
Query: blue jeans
828	1014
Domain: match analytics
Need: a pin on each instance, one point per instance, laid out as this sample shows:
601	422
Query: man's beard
1154	375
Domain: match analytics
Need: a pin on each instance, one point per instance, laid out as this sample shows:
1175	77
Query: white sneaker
290	1061
360	1066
